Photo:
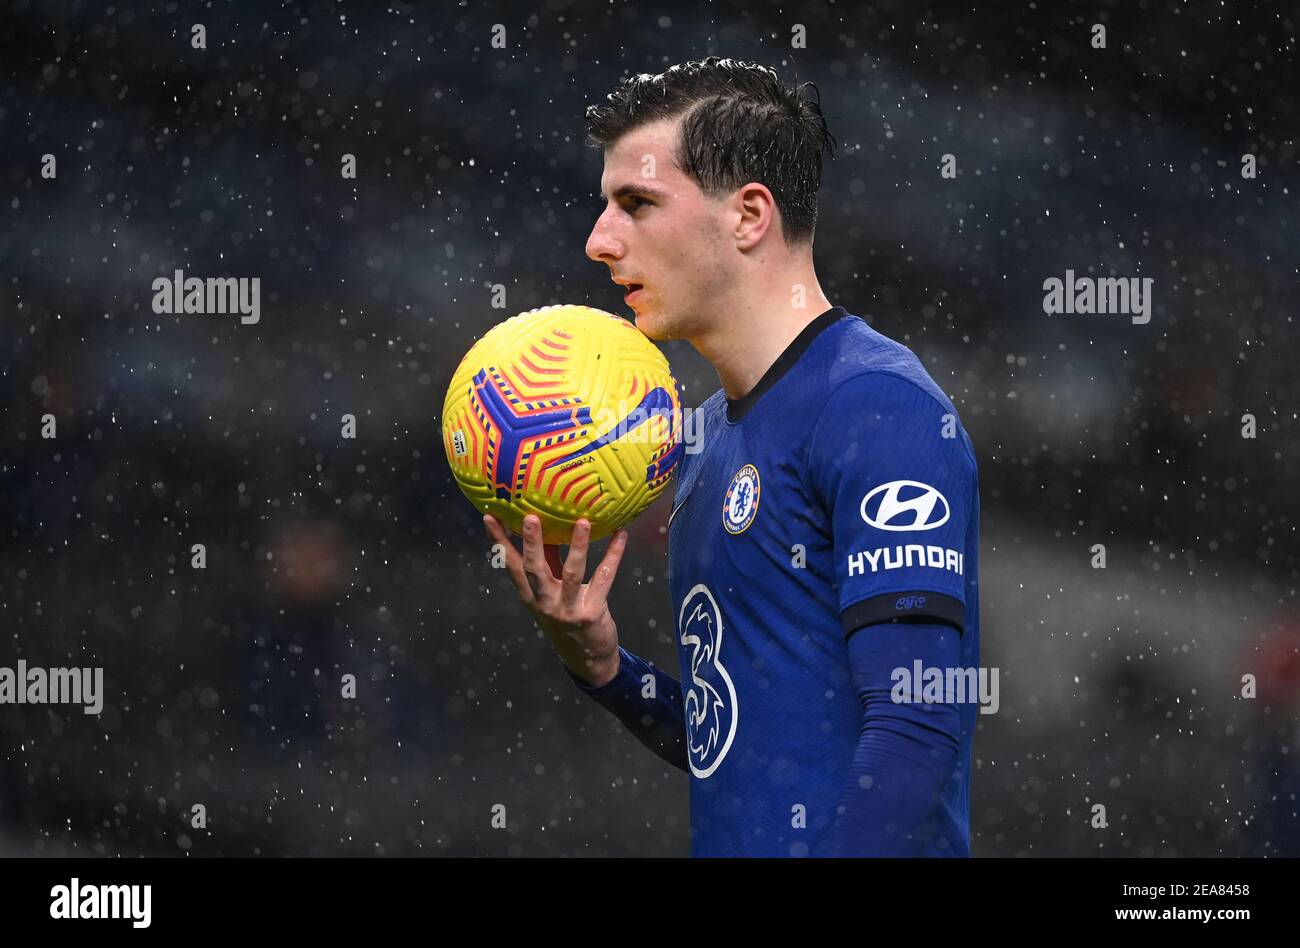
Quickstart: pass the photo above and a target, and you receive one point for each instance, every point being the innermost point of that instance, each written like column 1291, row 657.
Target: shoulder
column 858, row 360
column 876, row 395
column 866, row 375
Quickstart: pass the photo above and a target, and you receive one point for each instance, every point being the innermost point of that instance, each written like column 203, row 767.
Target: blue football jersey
column 842, row 491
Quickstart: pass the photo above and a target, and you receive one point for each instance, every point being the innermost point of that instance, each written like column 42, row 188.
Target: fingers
column 538, row 574
column 514, row 562
column 575, row 564
column 537, row 571
column 608, row 568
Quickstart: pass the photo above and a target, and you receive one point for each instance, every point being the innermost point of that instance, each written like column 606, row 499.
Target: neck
column 755, row 325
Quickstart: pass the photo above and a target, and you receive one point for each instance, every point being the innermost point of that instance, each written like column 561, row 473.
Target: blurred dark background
column 329, row 556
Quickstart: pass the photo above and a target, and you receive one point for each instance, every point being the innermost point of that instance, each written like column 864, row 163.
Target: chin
column 652, row 326
column 649, row 328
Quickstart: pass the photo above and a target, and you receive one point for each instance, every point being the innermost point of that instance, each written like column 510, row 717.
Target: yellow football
column 566, row 412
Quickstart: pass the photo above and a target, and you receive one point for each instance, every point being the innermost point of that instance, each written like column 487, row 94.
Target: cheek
column 699, row 255
column 686, row 255
column 692, row 248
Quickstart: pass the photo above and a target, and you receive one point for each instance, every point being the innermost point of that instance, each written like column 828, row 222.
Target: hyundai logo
column 905, row 505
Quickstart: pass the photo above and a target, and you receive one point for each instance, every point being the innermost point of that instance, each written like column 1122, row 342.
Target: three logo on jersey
column 709, row 696
column 712, row 710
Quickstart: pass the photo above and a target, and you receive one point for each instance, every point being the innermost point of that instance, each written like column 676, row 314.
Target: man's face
column 659, row 229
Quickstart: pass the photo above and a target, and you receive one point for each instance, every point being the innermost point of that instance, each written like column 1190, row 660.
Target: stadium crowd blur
column 328, row 556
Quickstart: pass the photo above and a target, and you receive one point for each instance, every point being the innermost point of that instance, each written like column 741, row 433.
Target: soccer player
column 823, row 544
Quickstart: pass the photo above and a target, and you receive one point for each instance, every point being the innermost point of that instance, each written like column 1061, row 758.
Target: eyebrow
column 637, row 190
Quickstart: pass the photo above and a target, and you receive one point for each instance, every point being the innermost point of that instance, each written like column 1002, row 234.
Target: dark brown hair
column 742, row 124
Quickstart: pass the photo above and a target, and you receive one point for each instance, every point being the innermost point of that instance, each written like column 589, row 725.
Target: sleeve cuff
column 915, row 606
column 626, row 670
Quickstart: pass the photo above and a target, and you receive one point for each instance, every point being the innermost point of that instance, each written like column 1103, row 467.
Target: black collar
column 738, row 408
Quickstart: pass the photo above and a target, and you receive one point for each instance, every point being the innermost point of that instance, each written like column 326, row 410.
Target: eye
column 637, row 202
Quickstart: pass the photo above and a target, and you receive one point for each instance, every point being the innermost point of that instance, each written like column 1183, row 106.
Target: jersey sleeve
column 906, row 752
column 893, row 470
column 658, row 722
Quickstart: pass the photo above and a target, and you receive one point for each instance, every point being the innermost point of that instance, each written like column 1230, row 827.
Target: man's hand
column 573, row 614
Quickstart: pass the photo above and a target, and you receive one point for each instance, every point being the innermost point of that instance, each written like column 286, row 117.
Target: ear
column 756, row 214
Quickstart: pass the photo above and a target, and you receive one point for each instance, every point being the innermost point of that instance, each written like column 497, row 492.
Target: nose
column 602, row 246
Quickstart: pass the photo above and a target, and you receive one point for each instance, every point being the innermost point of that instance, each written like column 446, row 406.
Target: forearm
column 906, row 751
column 648, row 702
column 891, row 803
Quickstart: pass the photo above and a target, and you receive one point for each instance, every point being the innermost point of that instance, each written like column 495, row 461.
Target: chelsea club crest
column 741, row 503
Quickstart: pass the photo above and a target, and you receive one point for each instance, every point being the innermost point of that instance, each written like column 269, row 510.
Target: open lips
column 631, row 288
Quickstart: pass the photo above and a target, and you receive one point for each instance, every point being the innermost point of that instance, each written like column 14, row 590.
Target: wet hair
column 742, row 124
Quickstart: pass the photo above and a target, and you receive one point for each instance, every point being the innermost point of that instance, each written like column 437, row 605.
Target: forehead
column 626, row 159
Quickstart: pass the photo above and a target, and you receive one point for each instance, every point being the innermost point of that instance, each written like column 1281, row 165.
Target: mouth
column 633, row 291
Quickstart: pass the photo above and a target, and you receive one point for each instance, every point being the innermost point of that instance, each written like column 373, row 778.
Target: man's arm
column 576, row 618
column 905, row 752
column 657, row 721
column 893, row 470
